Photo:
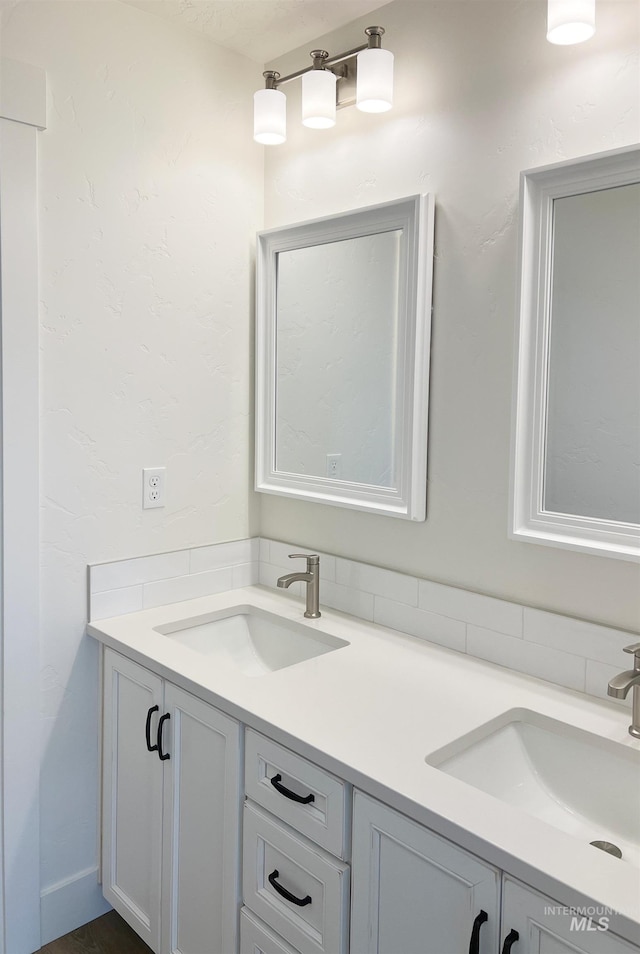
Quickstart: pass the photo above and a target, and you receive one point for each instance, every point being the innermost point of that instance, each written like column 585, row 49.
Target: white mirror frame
column 538, row 190
column 414, row 216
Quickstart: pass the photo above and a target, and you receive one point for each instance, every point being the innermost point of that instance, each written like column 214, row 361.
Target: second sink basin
column 253, row 642
column 586, row 786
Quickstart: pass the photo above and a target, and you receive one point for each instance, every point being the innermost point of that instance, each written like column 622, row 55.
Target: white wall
column 479, row 95
column 150, row 193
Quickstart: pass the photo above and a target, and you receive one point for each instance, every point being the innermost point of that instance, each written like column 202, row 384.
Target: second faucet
column 311, row 578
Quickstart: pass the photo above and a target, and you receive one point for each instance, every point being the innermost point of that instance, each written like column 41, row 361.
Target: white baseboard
column 68, row 904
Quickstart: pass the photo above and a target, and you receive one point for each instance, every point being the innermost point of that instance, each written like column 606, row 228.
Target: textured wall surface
column 257, row 28
column 150, row 193
column 479, row 96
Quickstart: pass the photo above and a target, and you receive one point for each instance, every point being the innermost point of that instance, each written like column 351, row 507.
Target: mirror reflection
column 337, row 359
column 592, row 454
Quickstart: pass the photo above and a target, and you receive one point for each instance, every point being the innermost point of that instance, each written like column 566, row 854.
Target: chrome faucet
column 311, row 578
column 619, row 687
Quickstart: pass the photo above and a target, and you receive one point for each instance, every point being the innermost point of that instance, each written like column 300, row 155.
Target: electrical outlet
column 334, row 466
column 153, row 487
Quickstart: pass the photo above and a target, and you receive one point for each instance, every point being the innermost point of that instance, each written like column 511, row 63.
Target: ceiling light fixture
column 369, row 65
column 570, row 21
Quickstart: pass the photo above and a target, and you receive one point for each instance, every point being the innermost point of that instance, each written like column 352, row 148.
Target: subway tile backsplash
column 434, row 627
column 569, row 652
column 127, row 573
column 531, row 658
column 473, row 608
column 378, row 581
column 125, row 586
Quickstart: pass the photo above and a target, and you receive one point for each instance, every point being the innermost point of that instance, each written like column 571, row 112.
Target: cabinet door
column 544, row 927
column 201, row 828
column 414, row 891
column 132, row 796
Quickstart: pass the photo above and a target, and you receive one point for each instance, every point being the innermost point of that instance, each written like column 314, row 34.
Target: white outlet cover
column 153, row 487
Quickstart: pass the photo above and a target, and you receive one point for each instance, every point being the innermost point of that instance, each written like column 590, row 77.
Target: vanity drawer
column 257, row 938
column 282, row 869
column 275, row 778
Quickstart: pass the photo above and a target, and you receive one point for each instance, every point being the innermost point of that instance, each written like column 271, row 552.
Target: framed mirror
column 576, row 434
column 343, row 321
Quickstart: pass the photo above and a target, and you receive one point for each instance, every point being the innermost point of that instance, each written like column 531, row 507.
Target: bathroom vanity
column 278, row 785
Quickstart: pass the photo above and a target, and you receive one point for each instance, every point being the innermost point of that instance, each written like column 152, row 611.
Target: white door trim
column 22, row 114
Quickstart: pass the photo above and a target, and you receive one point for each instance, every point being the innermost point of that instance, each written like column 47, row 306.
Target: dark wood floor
column 106, row 935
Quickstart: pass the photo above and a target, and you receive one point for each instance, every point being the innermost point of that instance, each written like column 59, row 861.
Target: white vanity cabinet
column 171, row 812
column 325, row 870
column 415, row 891
column 543, row 927
column 295, row 842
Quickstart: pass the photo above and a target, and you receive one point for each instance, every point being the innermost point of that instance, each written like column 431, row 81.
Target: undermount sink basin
column 254, row 642
column 584, row 785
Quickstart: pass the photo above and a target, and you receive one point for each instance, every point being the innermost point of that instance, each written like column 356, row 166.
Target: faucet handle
column 634, row 648
column 312, row 558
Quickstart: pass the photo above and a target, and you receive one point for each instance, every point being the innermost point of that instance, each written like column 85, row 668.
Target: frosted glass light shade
column 374, row 93
column 570, row 21
column 319, row 99
column 269, row 117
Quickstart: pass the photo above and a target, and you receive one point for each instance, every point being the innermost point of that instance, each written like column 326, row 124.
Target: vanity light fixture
column 374, row 92
column 570, row 21
column 269, row 112
column 369, row 64
column 319, row 93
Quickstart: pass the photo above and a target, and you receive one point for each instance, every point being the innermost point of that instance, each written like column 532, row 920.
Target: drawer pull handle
column 287, row 894
column 302, row 799
column 163, row 756
column 509, row 941
column 474, row 943
column 147, row 731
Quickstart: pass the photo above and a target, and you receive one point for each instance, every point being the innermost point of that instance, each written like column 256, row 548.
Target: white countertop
column 372, row 711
